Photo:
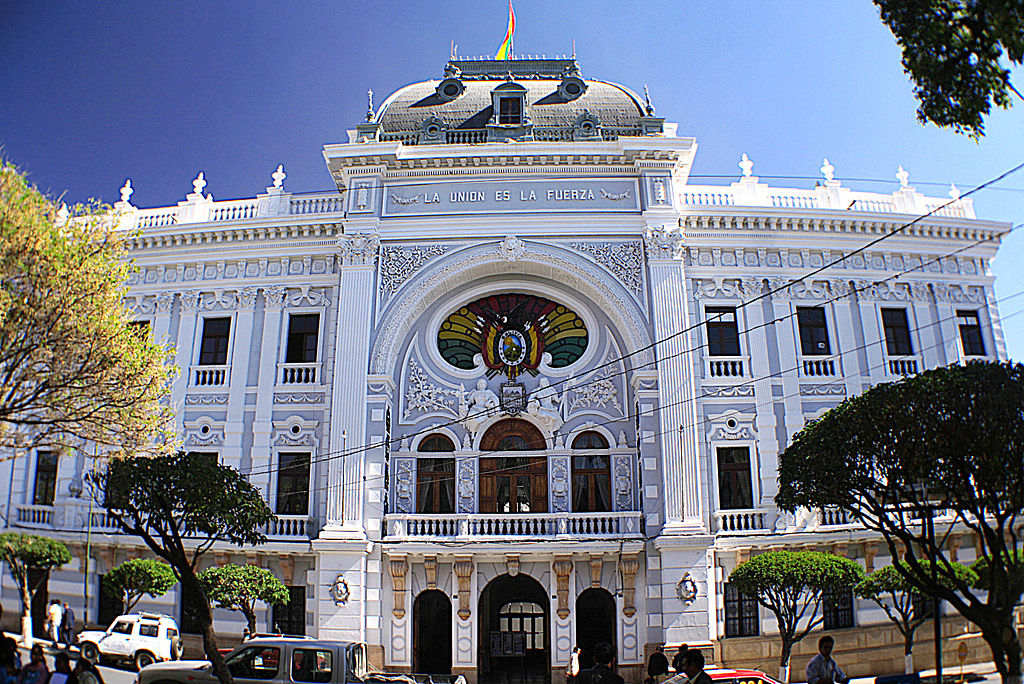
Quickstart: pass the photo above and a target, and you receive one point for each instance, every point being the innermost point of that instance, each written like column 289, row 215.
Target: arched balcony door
column 513, row 483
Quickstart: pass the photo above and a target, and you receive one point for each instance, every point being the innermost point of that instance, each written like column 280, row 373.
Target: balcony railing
column 904, row 366
column 210, row 376
column 743, row 520
column 298, row 373
column 726, row 366
column 30, row 515
column 486, row 525
column 289, row 527
column 820, row 366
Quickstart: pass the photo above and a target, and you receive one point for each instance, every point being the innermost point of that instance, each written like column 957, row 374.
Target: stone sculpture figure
column 545, row 406
column 477, row 406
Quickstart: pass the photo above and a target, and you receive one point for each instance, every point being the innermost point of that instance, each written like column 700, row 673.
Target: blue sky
column 95, row 92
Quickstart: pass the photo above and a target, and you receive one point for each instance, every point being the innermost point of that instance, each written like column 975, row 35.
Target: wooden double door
column 514, row 484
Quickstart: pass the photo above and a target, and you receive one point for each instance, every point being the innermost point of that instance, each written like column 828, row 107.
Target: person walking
column 693, row 667
column 822, row 669
column 679, row 658
column 601, row 673
column 67, row 626
column 54, row 615
column 572, row 669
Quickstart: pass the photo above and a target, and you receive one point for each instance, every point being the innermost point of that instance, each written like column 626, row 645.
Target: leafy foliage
column 25, row 552
column 888, row 588
column 74, row 368
column 987, row 575
column 791, row 585
column 239, row 587
column 137, row 577
column 954, row 51
column 181, row 505
column 960, row 429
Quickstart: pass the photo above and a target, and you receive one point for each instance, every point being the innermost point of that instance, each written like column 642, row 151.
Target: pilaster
column 262, row 427
column 669, row 294
column 190, row 302
column 357, row 255
column 234, row 427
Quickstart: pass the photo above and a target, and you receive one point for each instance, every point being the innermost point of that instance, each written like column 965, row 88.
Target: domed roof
column 550, row 100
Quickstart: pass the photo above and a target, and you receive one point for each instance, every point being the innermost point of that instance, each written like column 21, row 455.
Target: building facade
column 517, row 385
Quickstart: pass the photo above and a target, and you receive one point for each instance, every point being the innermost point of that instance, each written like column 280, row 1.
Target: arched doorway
column 432, row 634
column 595, row 622
column 514, row 632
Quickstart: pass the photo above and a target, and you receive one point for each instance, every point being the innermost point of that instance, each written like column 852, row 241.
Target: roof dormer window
column 510, row 111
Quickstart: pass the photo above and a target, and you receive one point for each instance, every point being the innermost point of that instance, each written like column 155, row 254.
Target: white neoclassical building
column 517, row 385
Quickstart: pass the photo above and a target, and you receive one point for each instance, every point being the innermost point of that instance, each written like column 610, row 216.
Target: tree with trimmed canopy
column 890, row 591
column 24, row 553
column 946, row 446
column 138, row 577
column 239, row 587
column 792, row 585
column 180, row 505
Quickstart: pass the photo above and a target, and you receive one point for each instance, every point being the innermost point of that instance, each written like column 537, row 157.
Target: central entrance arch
column 514, row 632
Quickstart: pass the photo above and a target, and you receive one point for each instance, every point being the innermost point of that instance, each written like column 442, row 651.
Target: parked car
column 727, row 675
column 274, row 659
column 138, row 638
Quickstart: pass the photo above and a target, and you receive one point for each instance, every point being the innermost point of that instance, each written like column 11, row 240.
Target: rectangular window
column 970, row 333
column 897, row 332
column 46, row 478
column 303, row 332
column 290, row 618
column 734, row 485
column 741, row 618
column 292, row 483
column 213, row 351
column 723, row 335
column 813, row 331
column 591, row 484
column 837, row 607
column 510, row 110
column 435, row 485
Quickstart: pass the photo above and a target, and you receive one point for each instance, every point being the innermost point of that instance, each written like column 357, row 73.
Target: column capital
column 357, row 249
column 664, row 243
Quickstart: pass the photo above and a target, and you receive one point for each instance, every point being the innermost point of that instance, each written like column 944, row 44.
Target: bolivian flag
column 505, row 51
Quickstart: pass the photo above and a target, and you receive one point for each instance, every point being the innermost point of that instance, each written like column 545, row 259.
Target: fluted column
column 357, row 255
column 234, row 428
column 191, row 300
column 684, row 509
column 262, row 427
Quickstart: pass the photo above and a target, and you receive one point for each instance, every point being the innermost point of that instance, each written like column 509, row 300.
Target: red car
column 727, row 675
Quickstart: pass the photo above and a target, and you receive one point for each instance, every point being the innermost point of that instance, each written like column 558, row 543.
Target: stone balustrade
column 503, row 526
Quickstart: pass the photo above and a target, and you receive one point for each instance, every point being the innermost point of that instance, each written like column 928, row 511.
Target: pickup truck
column 281, row 660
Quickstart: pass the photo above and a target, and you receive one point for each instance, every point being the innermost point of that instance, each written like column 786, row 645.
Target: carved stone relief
column 623, row 483
column 559, row 484
column 404, row 482
column 466, row 485
column 425, row 397
column 398, row 264
column 357, row 249
column 664, row 243
column 624, row 259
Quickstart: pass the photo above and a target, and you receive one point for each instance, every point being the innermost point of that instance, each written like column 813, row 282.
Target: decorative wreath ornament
column 340, row 591
column 687, row 589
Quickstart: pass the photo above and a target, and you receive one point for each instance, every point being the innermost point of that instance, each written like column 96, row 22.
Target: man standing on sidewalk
column 67, row 626
column 822, row 669
column 54, row 615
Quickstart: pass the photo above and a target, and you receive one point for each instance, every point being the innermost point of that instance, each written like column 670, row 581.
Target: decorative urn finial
column 279, row 176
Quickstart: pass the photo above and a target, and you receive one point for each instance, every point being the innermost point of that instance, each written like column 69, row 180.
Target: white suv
column 141, row 638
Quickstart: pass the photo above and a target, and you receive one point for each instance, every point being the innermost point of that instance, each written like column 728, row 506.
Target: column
column 357, row 255
column 241, row 357
column 761, row 371
column 190, row 303
column 162, row 317
column 683, row 503
column 262, row 427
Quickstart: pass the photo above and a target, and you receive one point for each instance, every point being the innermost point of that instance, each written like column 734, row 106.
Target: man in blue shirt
column 822, row 669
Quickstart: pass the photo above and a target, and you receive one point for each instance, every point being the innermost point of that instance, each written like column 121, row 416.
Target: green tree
column 960, row 429
column 890, row 590
column 791, row 584
column 955, row 52
column 75, row 370
column 239, row 587
column 180, row 505
column 135, row 578
column 24, row 553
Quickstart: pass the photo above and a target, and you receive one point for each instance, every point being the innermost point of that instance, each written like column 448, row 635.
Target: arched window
column 591, row 474
column 513, row 435
column 436, row 442
column 590, row 440
column 521, row 620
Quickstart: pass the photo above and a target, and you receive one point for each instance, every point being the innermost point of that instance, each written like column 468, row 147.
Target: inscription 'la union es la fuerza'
column 506, row 196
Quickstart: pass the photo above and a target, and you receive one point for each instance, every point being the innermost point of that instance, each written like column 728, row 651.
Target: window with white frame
column 723, row 332
column 735, row 488
column 292, row 483
column 45, row 486
column 303, row 338
column 970, row 333
column 897, row 332
column 213, row 347
column 813, row 331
